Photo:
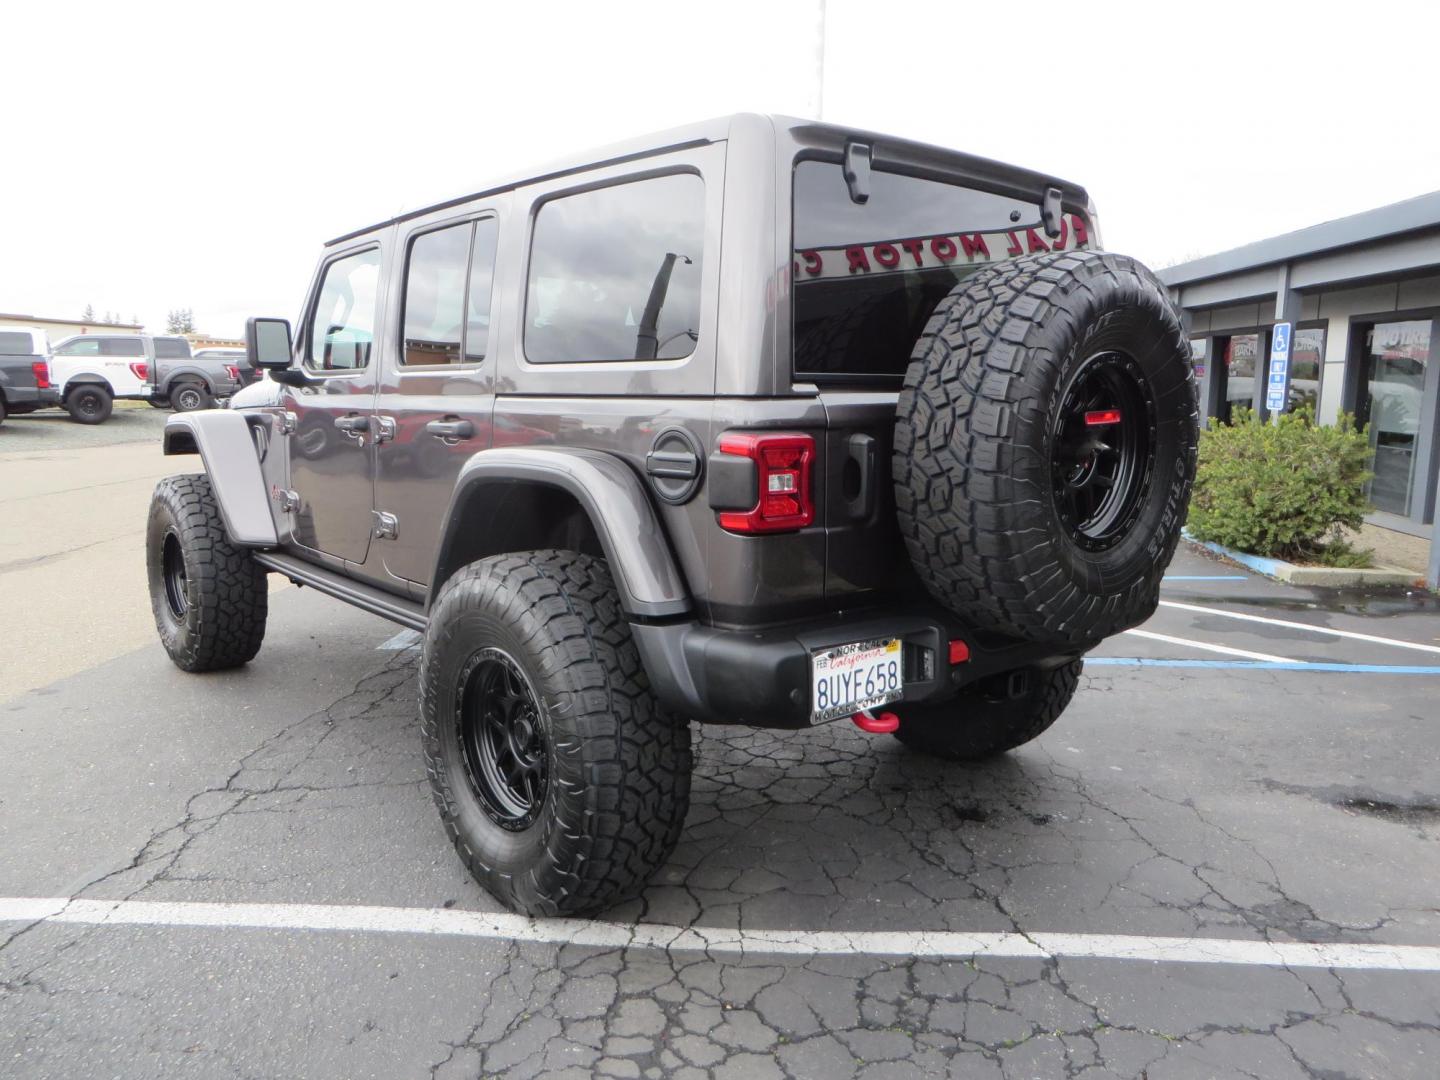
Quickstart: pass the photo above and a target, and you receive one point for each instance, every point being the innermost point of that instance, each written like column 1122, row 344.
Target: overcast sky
column 162, row 156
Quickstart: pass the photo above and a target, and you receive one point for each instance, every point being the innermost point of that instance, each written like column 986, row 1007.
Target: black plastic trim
column 397, row 609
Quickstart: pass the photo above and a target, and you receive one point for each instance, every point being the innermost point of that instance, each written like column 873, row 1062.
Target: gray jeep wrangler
column 760, row 422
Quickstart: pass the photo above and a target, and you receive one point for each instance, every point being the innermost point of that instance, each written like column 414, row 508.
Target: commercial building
column 63, row 328
column 1362, row 297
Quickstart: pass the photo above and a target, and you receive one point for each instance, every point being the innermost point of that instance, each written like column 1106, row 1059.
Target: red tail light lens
column 42, row 373
column 784, row 501
column 1102, row 417
column 233, row 372
column 141, row 370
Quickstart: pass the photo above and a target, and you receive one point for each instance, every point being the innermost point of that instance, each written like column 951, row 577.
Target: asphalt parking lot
column 1221, row 862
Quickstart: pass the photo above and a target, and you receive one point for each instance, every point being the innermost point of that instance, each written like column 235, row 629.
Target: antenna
column 820, row 65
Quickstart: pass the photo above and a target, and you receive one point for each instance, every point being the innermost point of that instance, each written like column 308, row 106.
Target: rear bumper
column 31, row 396
column 761, row 678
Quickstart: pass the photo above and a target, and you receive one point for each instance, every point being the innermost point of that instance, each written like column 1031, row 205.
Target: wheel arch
column 223, row 441
column 86, row 378
column 532, row 498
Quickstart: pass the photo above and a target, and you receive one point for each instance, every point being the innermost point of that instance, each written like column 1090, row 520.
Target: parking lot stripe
column 1205, row 577
column 401, row 641
column 1261, row 665
column 1225, row 649
column 1353, row 635
column 720, row 941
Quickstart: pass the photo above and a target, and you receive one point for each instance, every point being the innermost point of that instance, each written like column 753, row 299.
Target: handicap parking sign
column 1276, row 389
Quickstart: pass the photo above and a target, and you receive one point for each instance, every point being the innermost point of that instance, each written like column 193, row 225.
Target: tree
column 180, row 321
column 89, row 313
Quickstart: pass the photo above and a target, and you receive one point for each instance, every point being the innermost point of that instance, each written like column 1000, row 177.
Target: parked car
column 186, row 381
column 235, row 363
column 92, row 370
column 802, row 424
column 24, row 371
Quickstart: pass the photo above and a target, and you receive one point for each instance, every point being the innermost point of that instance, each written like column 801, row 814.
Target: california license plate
column 861, row 675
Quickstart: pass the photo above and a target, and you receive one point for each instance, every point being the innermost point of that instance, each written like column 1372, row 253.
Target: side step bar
column 397, row 609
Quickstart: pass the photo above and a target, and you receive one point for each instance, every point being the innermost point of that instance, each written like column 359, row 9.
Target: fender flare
column 184, row 374
column 85, row 378
column 223, row 441
column 646, row 576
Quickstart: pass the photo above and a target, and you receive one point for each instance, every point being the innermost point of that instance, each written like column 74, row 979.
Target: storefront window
column 1240, row 353
column 1394, row 379
column 1307, row 357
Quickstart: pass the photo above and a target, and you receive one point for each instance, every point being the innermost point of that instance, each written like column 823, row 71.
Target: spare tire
column 1045, row 446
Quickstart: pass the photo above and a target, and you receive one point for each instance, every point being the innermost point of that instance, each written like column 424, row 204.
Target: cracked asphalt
column 1196, row 802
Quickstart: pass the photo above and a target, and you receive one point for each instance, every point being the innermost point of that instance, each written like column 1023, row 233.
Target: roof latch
column 857, row 171
column 1050, row 212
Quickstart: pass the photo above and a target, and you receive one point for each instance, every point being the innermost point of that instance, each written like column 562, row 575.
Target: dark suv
column 759, row 422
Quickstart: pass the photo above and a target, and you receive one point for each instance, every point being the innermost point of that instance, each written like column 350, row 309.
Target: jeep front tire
column 208, row 595
column 560, row 780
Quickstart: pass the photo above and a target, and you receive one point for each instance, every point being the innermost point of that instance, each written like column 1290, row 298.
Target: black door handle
column 353, row 423
column 450, row 429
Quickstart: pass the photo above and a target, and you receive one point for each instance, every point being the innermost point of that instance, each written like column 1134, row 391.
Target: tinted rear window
column 172, row 348
column 17, row 344
column 868, row 275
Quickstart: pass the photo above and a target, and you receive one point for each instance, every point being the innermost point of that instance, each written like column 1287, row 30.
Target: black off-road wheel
column 560, row 780
column 1045, row 446
column 208, row 595
column 90, row 403
column 190, row 396
column 993, row 716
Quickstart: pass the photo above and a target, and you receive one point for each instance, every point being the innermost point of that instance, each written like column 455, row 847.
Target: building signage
column 937, row 252
column 1277, row 383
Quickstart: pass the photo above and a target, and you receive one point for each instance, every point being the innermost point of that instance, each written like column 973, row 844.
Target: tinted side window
column 342, row 328
column 172, row 348
column 615, row 273
column 435, row 296
column 122, row 346
column 80, row 347
column 16, row 344
column 482, row 277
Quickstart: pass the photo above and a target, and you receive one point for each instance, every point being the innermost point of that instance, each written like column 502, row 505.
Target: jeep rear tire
column 90, row 403
column 559, row 778
column 208, row 595
column 993, row 716
column 1045, row 446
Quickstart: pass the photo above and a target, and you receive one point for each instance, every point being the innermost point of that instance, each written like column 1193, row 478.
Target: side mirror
column 267, row 343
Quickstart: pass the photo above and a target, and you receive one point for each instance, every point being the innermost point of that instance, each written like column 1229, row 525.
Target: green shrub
column 1283, row 490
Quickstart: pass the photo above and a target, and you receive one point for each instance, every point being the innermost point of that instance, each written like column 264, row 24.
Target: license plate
column 861, row 675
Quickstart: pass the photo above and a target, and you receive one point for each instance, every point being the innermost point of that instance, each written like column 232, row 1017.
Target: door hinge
column 289, row 500
column 384, row 428
column 385, row 526
column 288, row 423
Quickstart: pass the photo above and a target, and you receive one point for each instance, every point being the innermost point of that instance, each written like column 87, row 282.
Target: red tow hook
column 883, row 724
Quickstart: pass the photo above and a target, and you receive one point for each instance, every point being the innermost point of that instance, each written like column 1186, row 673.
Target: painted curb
column 1323, row 576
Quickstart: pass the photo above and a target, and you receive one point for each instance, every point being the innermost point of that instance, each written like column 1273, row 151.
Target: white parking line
column 720, row 942
column 1301, row 626
column 1210, row 648
column 405, row 639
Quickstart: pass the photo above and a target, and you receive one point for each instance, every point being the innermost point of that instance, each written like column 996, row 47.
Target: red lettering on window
column 974, row 244
column 1014, row 248
column 887, row 256
column 914, row 247
column 813, row 264
column 858, row 259
column 1082, row 234
column 943, row 248
column 1033, row 241
column 1058, row 244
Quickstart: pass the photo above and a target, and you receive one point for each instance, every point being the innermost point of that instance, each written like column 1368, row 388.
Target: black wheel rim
column 89, row 404
column 1103, row 450
column 503, row 741
column 172, row 564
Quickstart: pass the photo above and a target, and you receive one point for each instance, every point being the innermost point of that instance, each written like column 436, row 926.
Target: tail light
column 233, row 372
column 784, row 500
column 42, row 374
column 140, row 369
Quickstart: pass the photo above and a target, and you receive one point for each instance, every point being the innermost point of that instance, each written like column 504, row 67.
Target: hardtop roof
column 714, row 130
